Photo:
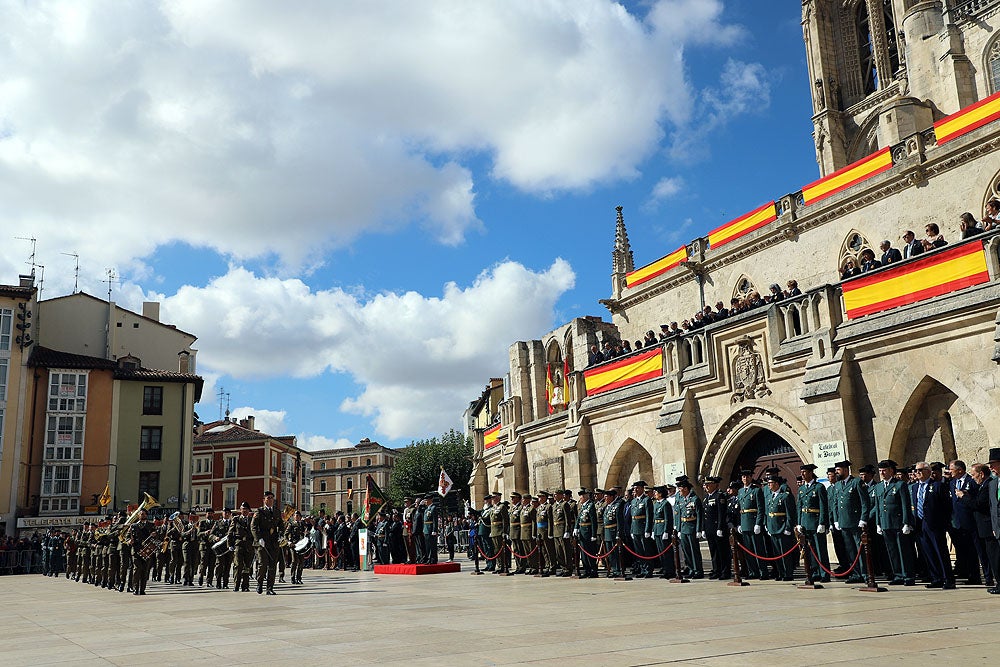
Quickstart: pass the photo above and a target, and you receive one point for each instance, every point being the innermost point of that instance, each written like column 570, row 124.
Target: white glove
column 907, row 529
column 798, row 529
column 261, row 541
column 576, row 532
column 821, row 529
column 647, row 535
column 565, row 536
column 739, row 529
column 862, row 524
column 700, row 535
column 878, row 529
column 836, row 525
column 756, row 530
column 787, row 532
column 593, row 539
column 718, row 533
column 435, row 535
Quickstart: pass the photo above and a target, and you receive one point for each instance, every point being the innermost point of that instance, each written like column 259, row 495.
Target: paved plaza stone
column 458, row 619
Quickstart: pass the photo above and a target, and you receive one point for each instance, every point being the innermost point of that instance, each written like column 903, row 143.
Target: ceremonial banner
column 927, row 276
column 743, row 225
column 968, row 119
column 630, row 370
column 658, row 267
column 850, row 175
column 375, row 500
column 444, row 483
column 105, row 497
column 491, row 438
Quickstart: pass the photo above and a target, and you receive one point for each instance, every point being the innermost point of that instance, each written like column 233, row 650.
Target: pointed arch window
column 875, row 53
column 744, row 288
column 850, row 251
column 993, row 65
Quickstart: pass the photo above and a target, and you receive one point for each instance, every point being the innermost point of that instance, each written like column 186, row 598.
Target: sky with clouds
column 358, row 206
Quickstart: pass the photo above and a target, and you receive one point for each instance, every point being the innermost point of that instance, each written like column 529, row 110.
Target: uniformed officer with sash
column 751, row 525
column 515, row 533
column 612, row 515
column 689, row 517
column 850, row 511
column 585, row 533
column 813, row 520
column 716, row 529
column 663, row 523
column 547, row 549
column 779, row 524
column 893, row 516
column 499, row 532
column 483, row 538
column 529, row 565
column 641, row 528
column 559, row 530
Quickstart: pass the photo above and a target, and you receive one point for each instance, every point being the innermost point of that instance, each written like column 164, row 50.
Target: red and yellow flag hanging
column 926, row 277
column 657, row 268
column 622, row 373
column 491, row 438
column 548, row 388
column 968, row 119
column 850, row 175
column 743, row 225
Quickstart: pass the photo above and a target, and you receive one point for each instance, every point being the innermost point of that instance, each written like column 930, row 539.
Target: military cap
column 746, row 473
column 713, row 479
column 994, row 454
column 227, row 509
column 684, row 483
column 887, row 463
column 612, row 491
column 209, row 510
column 496, row 494
column 682, row 478
column 543, row 493
column 599, row 491
column 735, row 485
column 867, row 468
column 773, row 478
column 937, row 465
column 773, row 470
column 616, row 488
column 526, row 497
column 583, row 492
column 843, row 464
column 639, row 483
column 662, row 489
column 432, row 494
column 245, row 505
column 798, row 478
column 515, row 494
column 831, row 469
column 671, row 486
column 410, row 498
column 808, row 466
column 269, row 493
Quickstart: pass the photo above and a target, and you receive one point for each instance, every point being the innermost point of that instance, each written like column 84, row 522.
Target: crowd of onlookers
column 912, row 246
column 17, row 555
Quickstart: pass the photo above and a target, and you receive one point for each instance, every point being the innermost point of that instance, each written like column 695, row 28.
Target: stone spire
column 621, row 257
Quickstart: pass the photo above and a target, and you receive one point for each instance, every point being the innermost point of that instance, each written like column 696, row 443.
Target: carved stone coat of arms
column 748, row 373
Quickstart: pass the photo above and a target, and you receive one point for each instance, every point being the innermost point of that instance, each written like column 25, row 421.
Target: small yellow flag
column 106, row 496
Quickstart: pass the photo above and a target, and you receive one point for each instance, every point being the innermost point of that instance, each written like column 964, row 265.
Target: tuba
column 287, row 513
column 147, row 502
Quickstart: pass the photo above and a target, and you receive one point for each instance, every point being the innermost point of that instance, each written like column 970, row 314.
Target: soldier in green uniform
column 641, row 528
column 546, row 547
column 223, row 561
column 751, row 525
column 483, row 537
column 689, row 517
column 266, row 527
column 84, row 546
column 612, row 525
column 716, row 528
column 515, row 533
column 138, row 532
column 206, row 557
column 559, row 531
column 585, row 532
column 528, row 565
column 663, row 523
column 813, row 519
column 241, row 541
column 189, row 546
column 780, row 521
column 850, row 509
column 431, row 527
column 892, row 514
column 837, row 535
column 295, row 531
column 175, row 537
column 163, row 555
column 499, row 531
column 125, row 564
column 408, row 509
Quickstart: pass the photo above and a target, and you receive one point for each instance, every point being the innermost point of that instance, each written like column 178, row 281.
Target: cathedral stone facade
column 899, row 363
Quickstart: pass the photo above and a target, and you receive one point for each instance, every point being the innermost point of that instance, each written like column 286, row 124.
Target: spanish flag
column 850, row 175
column 548, row 388
column 629, row 370
column 491, row 438
column 743, row 225
column 657, row 268
column 928, row 276
column 968, row 119
column 105, row 498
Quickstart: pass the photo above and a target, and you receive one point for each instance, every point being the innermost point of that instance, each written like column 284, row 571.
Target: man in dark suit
column 889, row 254
column 932, row 510
column 993, row 490
column 962, row 530
column 977, row 499
column 912, row 247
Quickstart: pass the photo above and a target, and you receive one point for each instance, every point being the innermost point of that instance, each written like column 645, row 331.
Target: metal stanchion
column 734, row 544
column 475, row 554
column 576, row 559
column 621, row 565
column 675, row 541
column 870, row 585
column 804, row 552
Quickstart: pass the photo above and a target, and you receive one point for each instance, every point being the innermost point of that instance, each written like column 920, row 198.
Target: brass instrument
column 147, row 502
column 175, row 518
column 149, row 547
column 287, row 513
column 282, row 542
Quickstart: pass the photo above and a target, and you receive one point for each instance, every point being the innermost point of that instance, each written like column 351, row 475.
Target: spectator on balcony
column 968, row 225
column 934, row 237
column 608, row 351
column 774, row 293
column 851, row 269
column 912, row 247
column 991, row 218
column 665, row 331
column 890, row 255
column 708, row 315
column 721, row 312
column 686, row 326
column 626, row 347
column 637, row 345
column 753, row 300
column 595, row 357
column 868, row 261
column 793, row 288
column 736, row 306
column 650, row 338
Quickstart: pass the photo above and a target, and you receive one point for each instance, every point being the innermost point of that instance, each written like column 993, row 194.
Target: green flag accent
column 375, row 500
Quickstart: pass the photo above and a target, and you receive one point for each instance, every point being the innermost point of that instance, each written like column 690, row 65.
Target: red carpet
column 402, row 568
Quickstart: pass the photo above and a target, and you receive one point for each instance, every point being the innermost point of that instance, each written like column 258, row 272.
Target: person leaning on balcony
column 650, row 338
column 934, row 237
column 991, row 218
column 868, row 261
column 793, row 289
column 968, row 225
column 911, row 246
column 851, row 269
column 595, row 357
column 890, row 255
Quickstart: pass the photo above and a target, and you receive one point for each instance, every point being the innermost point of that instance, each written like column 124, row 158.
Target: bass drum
column 302, row 545
column 221, row 547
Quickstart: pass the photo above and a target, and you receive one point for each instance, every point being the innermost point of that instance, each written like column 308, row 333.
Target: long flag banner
column 928, row 276
column 743, row 225
column 630, row 370
column 657, row 268
column 375, row 500
column 850, row 175
column 491, row 438
column 968, row 119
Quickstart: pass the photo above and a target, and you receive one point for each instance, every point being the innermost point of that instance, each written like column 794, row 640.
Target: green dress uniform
column 839, row 539
column 585, row 532
column 241, row 541
column 206, row 557
column 190, row 544
column 814, row 518
column 499, row 531
column 689, row 517
column 663, row 523
column 295, row 531
column 529, row 565
column 851, row 506
column 125, row 565
column 223, row 562
column 138, row 533
column 641, row 530
column 515, row 538
column 559, row 531
column 484, row 539
column 266, row 526
column 612, row 526
column 892, row 513
column 176, row 546
column 430, row 534
column 83, row 555
column 751, row 529
column 547, row 549
column 780, row 524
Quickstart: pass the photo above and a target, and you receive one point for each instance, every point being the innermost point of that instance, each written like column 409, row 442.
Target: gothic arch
column 744, row 286
column 727, row 443
column 865, row 141
column 991, row 64
column 630, row 458
column 854, row 244
column 993, row 188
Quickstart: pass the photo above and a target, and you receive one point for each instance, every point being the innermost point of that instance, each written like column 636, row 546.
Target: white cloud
column 271, row 422
column 419, row 358
column 665, row 188
column 261, row 128
column 314, row 443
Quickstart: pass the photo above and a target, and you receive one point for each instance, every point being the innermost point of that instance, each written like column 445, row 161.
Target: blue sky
column 358, row 206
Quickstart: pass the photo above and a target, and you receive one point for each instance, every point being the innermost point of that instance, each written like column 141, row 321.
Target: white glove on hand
column 756, row 530
column 700, row 535
column 862, row 524
column 836, row 525
column 878, row 529
column 565, row 536
column 593, row 539
column 261, row 541
column 787, row 532
column 435, row 535
column 907, row 529
column 739, row 529
column 647, row 536
column 576, row 532
column 798, row 529
column 821, row 529
column 718, row 533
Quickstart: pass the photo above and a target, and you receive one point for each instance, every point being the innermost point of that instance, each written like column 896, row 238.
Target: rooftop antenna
column 41, row 278
column 223, row 402
column 76, row 273
column 111, row 277
column 31, row 260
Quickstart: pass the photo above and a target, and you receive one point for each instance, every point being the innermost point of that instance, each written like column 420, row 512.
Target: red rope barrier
column 647, row 557
column 494, row 557
column 794, row 547
column 834, row 574
column 600, row 552
column 530, row 554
